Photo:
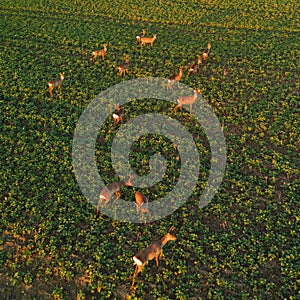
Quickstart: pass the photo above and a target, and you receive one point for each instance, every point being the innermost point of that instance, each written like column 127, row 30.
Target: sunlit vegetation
column 244, row 244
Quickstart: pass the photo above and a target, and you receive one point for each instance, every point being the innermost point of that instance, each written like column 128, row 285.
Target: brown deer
column 139, row 36
column 155, row 250
column 141, row 202
column 56, row 83
column 194, row 67
column 187, row 100
column 123, row 69
column 110, row 189
column 99, row 53
column 206, row 52
column 174, row 78
column 145, row 40
column 118, row 115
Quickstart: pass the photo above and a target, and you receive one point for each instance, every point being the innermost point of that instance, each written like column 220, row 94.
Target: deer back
column 155, row 249
column 115, row 186
column 145, row 40
column 188, row 99
column 148, row 253
column 57, row 82
column 125, row 64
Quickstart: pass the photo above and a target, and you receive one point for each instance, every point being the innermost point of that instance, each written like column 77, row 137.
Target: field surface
column 244, row 244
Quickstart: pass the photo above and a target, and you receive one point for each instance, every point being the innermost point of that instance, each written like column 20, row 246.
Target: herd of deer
column 123, row 69
column 155, row 250
column 141, row 201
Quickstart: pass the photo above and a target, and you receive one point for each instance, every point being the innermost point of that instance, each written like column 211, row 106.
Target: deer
column 141, row 202
column 206, row 51
column 187, row 100
column 110, row 189
column 123, row 69
column 99, row 53
column 194, row 67
column 150, row 41
column 139, row 36
column 175, row 77
column 155, row 250
column 118, row 115
column 56, row 83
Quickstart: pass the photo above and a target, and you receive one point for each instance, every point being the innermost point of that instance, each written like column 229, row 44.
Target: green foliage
column 244, row 244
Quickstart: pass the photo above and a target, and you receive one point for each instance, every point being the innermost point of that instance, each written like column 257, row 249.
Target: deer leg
column 118, row 194
column 101, row 199
column 106, row 202
column 133, row 279
column 160, row 255
column 97, row 207
column 136, row 271
column 137, row 206
column 156, row 259
column 143, row 217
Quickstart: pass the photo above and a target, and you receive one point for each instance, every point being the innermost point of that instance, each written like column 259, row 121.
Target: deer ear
column 171, row 229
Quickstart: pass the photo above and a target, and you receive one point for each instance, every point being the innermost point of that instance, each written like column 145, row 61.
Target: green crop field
column 244, row 244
